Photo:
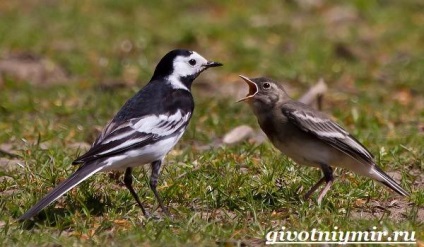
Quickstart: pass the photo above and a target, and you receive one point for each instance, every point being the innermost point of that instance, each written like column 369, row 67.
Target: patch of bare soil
column 397, row 208
column 32, row 68
column 9, row 164
column 9, row 158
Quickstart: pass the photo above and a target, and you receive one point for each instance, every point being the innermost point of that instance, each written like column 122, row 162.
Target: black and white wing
column 318, row 124
column 121, row 136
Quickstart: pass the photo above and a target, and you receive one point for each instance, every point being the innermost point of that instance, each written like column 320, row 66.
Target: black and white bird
column 309, row 137
column 144, row 130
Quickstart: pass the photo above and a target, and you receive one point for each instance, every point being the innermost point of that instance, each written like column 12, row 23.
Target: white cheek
column 181, row 69
column 184, row 69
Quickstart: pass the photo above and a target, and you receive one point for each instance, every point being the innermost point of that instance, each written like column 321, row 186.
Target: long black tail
column 80, row 175
column 389, row 182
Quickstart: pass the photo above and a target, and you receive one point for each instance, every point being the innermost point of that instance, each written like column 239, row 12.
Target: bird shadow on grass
column 93, row 205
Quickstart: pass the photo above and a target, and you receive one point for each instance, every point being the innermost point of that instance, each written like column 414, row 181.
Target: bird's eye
column 192, row 62
column 267, row 85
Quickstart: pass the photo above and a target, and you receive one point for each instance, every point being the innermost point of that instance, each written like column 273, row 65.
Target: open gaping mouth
column 253, row 88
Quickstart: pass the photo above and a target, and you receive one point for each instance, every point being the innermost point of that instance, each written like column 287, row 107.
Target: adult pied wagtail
column 309, row 137
column 144, row 130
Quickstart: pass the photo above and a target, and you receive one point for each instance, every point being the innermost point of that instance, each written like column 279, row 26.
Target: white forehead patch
column 183, row 68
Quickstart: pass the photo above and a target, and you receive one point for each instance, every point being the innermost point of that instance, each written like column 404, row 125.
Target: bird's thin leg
column 128, row 179
column 154, row 182
column 329, row 178
column 314, row 188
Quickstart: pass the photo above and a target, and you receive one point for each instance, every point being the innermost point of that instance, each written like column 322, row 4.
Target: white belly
column 144, row 155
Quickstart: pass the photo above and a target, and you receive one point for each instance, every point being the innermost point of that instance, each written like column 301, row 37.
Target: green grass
column 372, row 60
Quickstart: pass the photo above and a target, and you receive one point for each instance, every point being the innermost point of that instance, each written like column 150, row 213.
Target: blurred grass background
column 67, row 66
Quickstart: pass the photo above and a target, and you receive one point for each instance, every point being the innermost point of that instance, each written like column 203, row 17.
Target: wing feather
column 318, row 124
column 119, row 137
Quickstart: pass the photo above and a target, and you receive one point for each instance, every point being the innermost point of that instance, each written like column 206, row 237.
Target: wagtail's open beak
column 253, row 88
column 211, row 64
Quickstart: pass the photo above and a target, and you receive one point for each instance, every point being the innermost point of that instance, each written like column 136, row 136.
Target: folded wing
column 119, row 137
column 325, row 129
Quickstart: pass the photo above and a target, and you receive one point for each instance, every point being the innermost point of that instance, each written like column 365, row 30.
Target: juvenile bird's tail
column 383, row 178
column 80, row 175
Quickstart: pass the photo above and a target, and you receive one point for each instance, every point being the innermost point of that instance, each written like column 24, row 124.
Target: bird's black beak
column 253, row 88
column 211, row 64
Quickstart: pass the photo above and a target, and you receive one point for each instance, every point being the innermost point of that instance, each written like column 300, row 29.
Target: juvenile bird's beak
column 211, row 64
column 253, row 88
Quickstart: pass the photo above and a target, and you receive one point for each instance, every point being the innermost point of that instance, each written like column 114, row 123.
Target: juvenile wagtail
column 309, row 137
column 144, row 130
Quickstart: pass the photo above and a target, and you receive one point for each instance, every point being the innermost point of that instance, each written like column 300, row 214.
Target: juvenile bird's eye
column 267, row 85
column 192, row 62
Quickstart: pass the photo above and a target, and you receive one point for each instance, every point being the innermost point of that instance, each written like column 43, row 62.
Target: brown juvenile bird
column 309, row 137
